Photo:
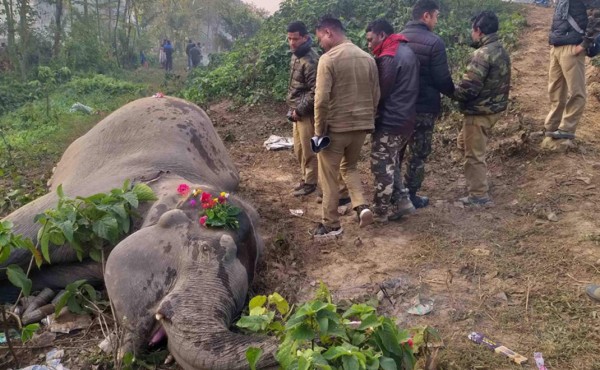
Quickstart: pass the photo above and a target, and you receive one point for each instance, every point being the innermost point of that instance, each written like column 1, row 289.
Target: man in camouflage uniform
column 301, row 99
column 482, row 94
column 434, row 79
column 398, row 69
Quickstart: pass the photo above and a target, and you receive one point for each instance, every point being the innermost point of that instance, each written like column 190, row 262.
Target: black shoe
column 344, row 201
column 560, row 134
column 323, row 231
column 305, row 190
column 418, row 201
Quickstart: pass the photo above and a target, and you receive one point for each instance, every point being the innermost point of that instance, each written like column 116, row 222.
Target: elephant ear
column 250, row 243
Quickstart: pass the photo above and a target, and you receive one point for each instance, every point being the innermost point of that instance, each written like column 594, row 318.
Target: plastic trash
column 421, row 307
column 78, row 107
column 275, row 142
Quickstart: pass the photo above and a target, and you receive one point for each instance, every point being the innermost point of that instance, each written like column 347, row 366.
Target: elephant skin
column 171, row 273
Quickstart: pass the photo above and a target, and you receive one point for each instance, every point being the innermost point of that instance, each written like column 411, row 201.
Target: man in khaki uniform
column 571, row 33
column 301, row 99
column 346, row 100
column 483, row 94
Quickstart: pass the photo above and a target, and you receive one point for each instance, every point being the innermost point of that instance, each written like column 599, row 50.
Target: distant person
column 398, row 68
column 162, row 57
column 571, row 33
column 482, row 94
column 435, row 79
column 143, row 60
column 189, row 47
column 300, row 101
column 346, row 99
column 169, row 55
column 195, row 55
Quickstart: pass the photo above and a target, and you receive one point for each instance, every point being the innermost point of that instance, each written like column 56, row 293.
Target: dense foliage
column 257, row 68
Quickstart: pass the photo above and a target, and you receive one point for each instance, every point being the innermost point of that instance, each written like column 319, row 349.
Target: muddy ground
column 507, row 271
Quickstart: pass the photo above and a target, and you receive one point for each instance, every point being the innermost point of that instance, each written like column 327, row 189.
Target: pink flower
column 206, row 197
column 193, row 202
column 203, row 220
column 222, row 199
column 183, row 189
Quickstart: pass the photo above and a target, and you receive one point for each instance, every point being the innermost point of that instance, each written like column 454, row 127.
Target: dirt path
column 506, row 271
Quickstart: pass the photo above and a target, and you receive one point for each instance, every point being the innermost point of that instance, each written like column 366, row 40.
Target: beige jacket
column 347, row 91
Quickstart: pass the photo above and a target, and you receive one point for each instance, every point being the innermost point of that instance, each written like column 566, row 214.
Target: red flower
column 203, row 220
column 206, row 197
column 222, row 199
column 183, row 189
column 410, row 342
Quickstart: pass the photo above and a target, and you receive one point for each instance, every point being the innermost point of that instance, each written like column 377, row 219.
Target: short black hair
column 330, row 22
column 486, row 21
column 424, row 6
column 380, row 25
column 297, row 26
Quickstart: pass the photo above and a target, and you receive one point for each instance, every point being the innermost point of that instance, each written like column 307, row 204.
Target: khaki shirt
column 347, row 91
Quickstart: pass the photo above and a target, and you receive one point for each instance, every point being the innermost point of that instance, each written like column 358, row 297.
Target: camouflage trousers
column 419, row 149
column 385, row 162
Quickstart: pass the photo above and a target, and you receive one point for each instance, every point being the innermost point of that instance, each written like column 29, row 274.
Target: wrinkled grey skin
column 196, row 279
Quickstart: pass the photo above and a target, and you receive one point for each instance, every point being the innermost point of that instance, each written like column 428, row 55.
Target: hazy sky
column 270, row 5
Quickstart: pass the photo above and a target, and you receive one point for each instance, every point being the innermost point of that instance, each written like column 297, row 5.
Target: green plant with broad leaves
column 28, row 331
column 86, row 224
column 89, row 224
column 318, row 336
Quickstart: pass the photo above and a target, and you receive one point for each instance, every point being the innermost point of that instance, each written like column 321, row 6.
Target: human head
column 377, row 31
column 426, row 11
column 484, row 23
column 330, row 32
column 297, row 35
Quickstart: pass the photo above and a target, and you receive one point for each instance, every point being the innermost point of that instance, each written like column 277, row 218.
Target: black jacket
column 562, row 33
column 399, row 84
column 434, row 74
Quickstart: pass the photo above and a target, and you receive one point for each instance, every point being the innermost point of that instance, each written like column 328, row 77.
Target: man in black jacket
column 571, row 33
column 398, row 69
column 435, row 79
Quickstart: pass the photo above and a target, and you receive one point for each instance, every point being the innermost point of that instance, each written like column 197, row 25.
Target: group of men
column 393, row 95
column 194, row 54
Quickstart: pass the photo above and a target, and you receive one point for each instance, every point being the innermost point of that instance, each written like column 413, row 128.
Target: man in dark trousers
column 398, row 69
column 435, row 79
column 189, row 47
column 168, row 48
column 196, row 56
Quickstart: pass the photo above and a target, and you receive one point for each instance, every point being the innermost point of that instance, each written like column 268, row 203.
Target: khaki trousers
column 340, row 157
column 304, row 129
column 473, row 139
column 566, row 88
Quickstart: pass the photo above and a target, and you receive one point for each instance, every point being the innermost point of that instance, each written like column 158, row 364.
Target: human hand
column 578, row 50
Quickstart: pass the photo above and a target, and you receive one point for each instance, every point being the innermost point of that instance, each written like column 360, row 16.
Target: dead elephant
column 193, row 280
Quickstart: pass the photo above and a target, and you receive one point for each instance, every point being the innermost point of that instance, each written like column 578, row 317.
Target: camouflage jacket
column 303, row 76
column 484, row 87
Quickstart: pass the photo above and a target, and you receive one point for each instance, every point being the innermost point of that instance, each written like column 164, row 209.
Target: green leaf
column 131, row 198
column 4, row 253
column 257, row 301
column 126, row 185
column 387, row 363
column 302, row 332
column 28, row 331
column 107, row 228
column 128, row 359
column 62, row 301
column 96, row 254
column 91, row 292
column 56, row 237
column 253, row 356
column 60, row 192
column 350, row 363
column 67, row 230
column 74, row 306
column 256, row 323
column 144, row 193
column 18, row 278
column 282, row 305
column 370, row 321
column 45, row 244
